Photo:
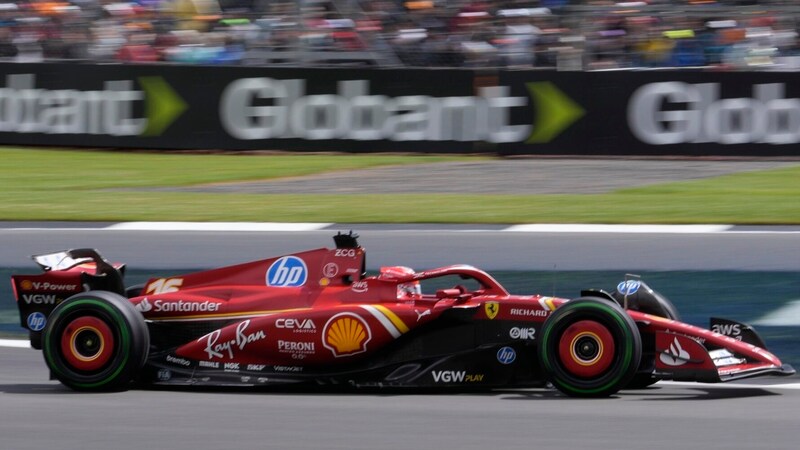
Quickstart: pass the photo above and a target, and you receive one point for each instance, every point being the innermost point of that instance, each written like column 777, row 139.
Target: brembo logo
column 24, row 108
column 266, row 108
column 697, row 115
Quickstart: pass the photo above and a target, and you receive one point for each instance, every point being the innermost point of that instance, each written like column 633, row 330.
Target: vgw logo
column 288, row 271
column 24, row 108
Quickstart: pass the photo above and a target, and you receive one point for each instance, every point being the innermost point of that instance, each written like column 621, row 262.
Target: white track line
column 792, row 386
column 521, row 228
column 787, row 315
column 216, row 226
column 14, row 343
column 601, row 228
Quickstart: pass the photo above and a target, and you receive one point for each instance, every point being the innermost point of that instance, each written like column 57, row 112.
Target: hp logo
column 629, row 287
column 506, row 355
column 37, row 321
column 289, row 271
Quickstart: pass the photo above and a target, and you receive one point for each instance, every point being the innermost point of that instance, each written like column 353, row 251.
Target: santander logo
column 675, row 355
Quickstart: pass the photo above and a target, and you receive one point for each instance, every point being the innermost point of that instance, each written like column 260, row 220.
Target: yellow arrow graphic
column 163, row 105
column 555, row 112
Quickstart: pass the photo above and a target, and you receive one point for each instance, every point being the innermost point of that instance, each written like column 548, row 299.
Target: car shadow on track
column 28, row 388
column 654, row 393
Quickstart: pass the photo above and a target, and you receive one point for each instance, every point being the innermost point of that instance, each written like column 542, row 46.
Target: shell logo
column 26, row 285
column 346, row 334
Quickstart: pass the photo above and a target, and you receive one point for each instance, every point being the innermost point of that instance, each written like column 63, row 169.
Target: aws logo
column 24, row 108
column 554, row 112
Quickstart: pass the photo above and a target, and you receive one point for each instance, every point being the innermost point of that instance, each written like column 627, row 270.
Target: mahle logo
column 24, row 108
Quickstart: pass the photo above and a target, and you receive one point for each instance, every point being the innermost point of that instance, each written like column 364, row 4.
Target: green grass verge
column 40, row 184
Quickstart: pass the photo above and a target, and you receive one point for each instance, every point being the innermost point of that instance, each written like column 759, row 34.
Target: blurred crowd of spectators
column 563, row 34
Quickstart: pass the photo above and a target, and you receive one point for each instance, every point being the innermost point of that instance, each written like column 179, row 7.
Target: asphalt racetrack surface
column 38, row 414
column 425, row 247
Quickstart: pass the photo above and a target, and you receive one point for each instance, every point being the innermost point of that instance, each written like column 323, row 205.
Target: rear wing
column 64, row 274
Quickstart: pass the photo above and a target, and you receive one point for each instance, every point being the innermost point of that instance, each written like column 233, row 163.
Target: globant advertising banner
column 658, row 113
column 428, row 111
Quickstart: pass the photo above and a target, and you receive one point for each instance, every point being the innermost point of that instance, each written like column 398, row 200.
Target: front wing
column 685, row 352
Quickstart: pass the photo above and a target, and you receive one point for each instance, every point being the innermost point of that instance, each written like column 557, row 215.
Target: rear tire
column 36, row 339
column 95, row 341
column 589, row 347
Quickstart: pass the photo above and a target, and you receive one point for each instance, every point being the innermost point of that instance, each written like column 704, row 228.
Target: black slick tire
column 589, row 347
column 95, row 341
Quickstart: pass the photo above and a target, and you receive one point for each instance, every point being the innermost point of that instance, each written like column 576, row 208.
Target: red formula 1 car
column 315, row 317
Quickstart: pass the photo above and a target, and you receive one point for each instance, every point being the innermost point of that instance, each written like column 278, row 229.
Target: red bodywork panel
column 317, row 308
column 682, row 351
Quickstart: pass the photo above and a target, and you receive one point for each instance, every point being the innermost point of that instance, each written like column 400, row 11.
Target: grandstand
column 545, row 34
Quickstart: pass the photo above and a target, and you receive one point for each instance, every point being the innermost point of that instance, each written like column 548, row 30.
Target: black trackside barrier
column 657, row 113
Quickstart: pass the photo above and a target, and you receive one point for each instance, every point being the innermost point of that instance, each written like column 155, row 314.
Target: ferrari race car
column 316, row 318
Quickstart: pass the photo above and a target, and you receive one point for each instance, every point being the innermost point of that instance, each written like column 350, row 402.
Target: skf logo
column 491, row 309
column 346, row 334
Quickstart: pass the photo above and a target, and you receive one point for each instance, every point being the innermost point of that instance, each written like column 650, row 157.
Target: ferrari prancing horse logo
column 491, row 309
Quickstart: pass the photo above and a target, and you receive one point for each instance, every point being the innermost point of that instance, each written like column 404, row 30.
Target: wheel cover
column 586, row 349
column 87, row 343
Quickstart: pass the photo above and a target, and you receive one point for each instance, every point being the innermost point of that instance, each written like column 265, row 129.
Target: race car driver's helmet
column 404, row 290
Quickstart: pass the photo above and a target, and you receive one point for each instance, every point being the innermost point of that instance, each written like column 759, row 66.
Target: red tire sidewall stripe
column 87, row 363
column 586, row 368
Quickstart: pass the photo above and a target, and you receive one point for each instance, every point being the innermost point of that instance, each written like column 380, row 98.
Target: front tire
column 589, row 347
column 95, row 341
